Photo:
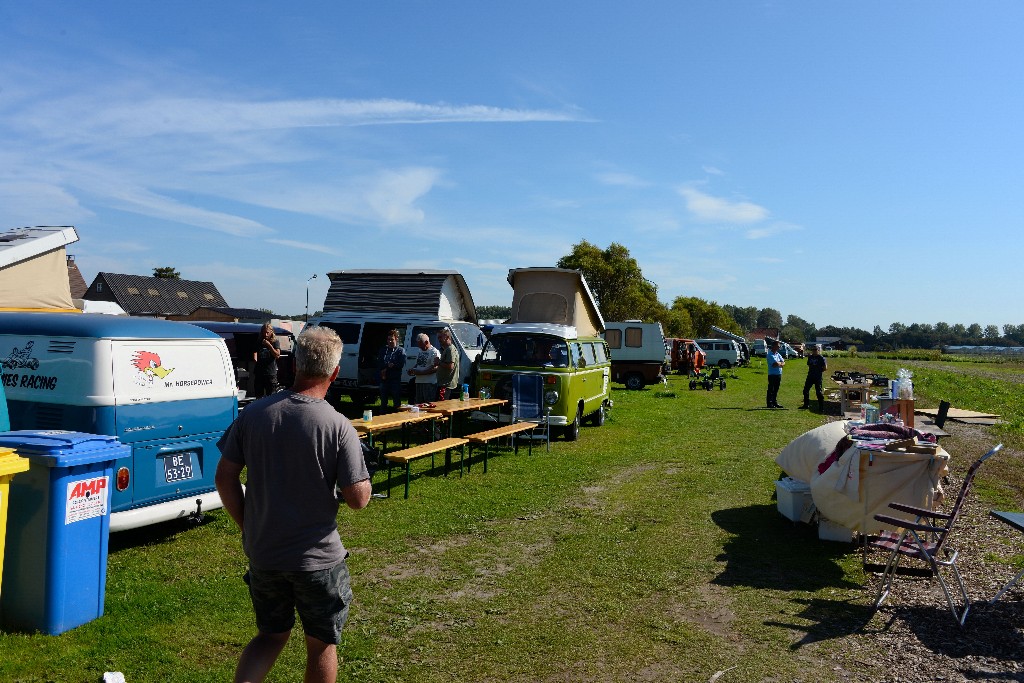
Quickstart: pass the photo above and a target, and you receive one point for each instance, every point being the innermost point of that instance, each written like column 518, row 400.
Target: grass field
column 648, row 550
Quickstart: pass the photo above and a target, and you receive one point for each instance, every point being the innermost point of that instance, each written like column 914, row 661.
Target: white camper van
column 362, row 306
column 725, row 353
column 640, row 355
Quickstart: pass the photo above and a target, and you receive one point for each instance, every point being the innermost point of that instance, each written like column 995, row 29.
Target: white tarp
column 863, row 482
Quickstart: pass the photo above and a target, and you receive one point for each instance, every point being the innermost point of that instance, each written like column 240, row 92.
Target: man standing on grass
column 300, row 455
column 816, row 366
column 775, row 363
column 425, row 370
column 448, row 369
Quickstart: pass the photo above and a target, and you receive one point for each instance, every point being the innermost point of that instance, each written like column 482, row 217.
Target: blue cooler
column 58, row 524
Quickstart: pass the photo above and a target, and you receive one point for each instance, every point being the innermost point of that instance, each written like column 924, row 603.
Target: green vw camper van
column 555, row 332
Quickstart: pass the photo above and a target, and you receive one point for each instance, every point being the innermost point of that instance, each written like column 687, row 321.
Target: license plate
column 178, row 467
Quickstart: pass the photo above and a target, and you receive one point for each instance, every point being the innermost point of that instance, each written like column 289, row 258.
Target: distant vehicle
column 725, row 353
column 685, row 356
column 639, row 352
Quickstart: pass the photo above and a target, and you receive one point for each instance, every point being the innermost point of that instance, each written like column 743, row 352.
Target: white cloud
column 705, row 207
column 776, row 228
column 308, row 246
column 619, row 179
column 712, row 170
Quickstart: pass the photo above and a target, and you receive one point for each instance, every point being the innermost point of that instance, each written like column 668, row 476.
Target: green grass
column 650, row 549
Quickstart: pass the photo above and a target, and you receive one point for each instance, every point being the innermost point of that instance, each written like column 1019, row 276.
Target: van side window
column 429, row 331
column 614, row 338
column 349, row 332
column 602, row 352
column 634, row 337
column 576, row 354
column 588, row 354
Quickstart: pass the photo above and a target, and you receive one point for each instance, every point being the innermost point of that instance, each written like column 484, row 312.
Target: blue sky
column 850, row 163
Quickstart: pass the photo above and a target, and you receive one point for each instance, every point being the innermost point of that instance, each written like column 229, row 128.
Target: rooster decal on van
column 150, row 367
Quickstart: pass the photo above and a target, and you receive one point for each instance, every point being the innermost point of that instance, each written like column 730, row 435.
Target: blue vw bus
column 167, row 389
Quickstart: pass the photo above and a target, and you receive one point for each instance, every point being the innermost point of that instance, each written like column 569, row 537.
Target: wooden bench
column 407, row 455
column 505, row 430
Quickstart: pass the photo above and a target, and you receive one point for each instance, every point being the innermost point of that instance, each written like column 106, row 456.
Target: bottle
column 465, row 392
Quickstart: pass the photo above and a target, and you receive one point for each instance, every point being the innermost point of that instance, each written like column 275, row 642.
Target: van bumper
column 164, row 512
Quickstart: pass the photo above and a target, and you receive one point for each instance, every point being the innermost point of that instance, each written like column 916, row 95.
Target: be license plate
column 178, row 467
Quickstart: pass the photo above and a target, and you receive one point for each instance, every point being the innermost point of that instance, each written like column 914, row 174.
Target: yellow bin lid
column 11, row 462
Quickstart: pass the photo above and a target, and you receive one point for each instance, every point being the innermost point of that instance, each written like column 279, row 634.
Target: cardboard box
column 831, row 531
column 794, row 499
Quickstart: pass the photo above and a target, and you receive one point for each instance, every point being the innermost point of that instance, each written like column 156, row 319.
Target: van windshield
column 526, row 350
column 470, row 336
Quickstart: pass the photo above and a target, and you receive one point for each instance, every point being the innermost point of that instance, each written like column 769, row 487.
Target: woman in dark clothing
column 266, row 362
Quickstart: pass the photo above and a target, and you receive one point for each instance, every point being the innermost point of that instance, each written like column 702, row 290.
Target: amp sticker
column 87, row 498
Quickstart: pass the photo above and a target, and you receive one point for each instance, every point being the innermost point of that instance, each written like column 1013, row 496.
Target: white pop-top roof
column 21, row 244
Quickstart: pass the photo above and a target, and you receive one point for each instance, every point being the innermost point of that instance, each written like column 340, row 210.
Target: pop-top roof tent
column 34, row 269
column 436, row 293
column 554, row 295
column 726, row 334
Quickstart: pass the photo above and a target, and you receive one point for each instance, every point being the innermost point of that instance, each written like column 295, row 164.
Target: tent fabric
column 863, row 482
column 801, row 456
column 37, row 284
column 559, row 296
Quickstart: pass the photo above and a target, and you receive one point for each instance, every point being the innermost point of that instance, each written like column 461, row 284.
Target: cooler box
column 10, row 464
column 794, row 499
column 55, row 568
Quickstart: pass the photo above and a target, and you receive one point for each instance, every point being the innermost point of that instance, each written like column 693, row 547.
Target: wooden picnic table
column 454, row 406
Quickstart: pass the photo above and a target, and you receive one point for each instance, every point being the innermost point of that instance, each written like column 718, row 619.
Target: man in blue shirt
column 775, row 363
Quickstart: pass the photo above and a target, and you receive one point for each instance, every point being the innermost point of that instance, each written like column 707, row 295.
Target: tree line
column 623, row 293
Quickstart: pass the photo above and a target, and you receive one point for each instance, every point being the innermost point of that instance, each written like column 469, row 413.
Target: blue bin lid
column 58, row 448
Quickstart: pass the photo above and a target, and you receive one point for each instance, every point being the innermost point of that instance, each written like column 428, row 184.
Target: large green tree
column 769, row 317
column 703, row 314
column 616, row 281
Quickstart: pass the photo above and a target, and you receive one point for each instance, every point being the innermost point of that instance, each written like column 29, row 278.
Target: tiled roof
column 141, row 295
column 246, row 313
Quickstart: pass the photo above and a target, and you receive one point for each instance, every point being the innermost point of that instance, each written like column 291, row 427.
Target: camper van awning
column 441, row 294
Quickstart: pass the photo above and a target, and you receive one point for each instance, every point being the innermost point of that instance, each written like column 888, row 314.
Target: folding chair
column 924, row 539
column 528, row 403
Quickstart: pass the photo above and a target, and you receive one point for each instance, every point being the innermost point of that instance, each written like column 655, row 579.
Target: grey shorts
column 320, row 597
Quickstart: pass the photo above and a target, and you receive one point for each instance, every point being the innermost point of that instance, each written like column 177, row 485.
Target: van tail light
column 550, row 379
column 486, row 375
column 124, row 478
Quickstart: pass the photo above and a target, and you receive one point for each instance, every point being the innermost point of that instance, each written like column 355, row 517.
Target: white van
column 640, row 355
column 725, row 353
column 362, row 306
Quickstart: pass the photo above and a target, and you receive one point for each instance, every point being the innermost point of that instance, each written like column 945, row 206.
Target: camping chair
column 528, row 403
column 924, row 539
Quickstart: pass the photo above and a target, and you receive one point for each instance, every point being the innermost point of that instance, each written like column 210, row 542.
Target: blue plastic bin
column 58, row 525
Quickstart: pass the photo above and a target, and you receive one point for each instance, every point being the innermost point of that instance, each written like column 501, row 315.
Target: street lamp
column 307, row 297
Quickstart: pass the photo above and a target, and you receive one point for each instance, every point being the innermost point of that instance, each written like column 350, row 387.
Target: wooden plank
column 423, row 450
column 505, row 430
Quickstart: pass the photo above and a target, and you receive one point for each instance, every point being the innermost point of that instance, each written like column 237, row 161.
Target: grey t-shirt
column 296, row 450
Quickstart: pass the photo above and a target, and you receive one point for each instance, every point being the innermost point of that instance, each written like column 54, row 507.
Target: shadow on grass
column 154, row 534
column 769, row 551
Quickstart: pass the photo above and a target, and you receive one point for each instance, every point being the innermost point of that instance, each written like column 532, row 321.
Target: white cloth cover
column 800, row 458
column 863, row 483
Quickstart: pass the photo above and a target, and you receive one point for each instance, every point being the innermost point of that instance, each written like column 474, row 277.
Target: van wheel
column 635, row 381
column 724, row 364
column 572, row 432
column 597, row 419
